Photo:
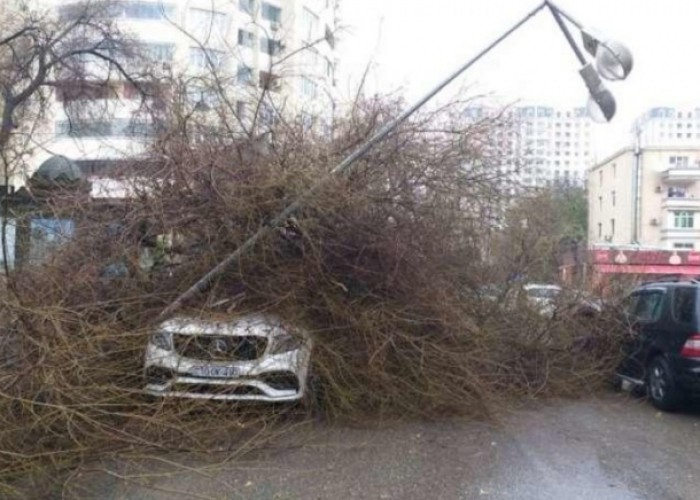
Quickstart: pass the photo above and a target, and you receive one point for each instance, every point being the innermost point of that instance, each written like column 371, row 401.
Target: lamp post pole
column 203, row 283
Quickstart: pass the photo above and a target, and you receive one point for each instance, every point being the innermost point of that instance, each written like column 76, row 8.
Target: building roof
column 630, row 149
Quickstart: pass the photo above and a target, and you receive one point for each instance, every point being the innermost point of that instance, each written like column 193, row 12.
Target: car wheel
column 662, row 388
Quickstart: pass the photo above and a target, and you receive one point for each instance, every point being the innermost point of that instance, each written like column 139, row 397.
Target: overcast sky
column 412, row 44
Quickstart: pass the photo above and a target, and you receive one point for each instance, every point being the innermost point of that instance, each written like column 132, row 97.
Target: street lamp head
column 601, row 106
column 613, row 59
column 601, row 103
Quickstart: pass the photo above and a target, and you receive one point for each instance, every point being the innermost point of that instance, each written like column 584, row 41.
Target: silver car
column 251, row 358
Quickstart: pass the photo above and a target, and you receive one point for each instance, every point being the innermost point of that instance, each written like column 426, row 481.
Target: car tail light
column 691, row 348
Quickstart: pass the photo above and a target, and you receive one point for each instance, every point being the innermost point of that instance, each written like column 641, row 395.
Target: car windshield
column 543, row 293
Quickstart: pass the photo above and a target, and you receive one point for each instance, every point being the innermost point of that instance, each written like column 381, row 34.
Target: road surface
column 609, row 448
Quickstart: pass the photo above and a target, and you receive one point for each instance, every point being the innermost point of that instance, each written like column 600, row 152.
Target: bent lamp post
column 613, row 62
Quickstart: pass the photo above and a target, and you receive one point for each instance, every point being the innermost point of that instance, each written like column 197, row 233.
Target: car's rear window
column 684, row 304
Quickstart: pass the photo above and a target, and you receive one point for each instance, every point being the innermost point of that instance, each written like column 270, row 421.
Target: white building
column 285, row 47
column 544, row 145
column 669, row 127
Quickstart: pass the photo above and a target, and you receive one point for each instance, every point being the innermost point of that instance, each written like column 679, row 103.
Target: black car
column 663, row 352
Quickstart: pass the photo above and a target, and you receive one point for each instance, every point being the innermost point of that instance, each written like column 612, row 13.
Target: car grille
column 220, row 347
column 217, row 389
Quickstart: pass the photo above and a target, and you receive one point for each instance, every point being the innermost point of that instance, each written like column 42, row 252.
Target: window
column 143, row 10
column 206, row 58
column 241, row 109
column 269, row 81
column 246, row 5
column 676, row 192
column 246, row 38
column 612, row 227
column 613, row 198
column 679, row 161
column 647, row 306
column 83, row 128
column 205, row 25
column 46, row 235
column 244, row 74
column 159, row 52
column 308, row 87
column 684, row 304
column 600, row 230
column 271, row 47
column 85, row 91
column 203, row 98
column 309, row 25
column 600, row 202
column 271, row 13
column 683, row 220
column 268, row 115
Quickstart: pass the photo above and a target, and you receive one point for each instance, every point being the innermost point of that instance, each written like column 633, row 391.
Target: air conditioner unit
column 654, row 222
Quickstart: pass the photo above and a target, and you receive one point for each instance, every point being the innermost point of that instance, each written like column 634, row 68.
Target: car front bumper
column 272, row 378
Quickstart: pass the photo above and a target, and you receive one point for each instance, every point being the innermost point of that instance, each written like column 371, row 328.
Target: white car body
column 252, row 358
column 542, row 297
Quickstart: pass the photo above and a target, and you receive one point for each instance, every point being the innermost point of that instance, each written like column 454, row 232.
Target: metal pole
column 566, row 15
column 206, row 280
column 636, row 184
column 567, row 34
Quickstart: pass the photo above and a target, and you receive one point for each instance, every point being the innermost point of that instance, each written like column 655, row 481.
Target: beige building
column 648, row 197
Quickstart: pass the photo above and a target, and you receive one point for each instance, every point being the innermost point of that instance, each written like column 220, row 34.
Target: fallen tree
column 380, row 266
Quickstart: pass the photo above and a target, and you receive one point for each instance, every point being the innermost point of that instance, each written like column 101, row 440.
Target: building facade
column 283, row 50
column 667, row 126
column 646, row 197
column 544, row 145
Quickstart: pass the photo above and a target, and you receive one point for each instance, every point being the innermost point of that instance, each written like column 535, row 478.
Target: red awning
column 646, row 269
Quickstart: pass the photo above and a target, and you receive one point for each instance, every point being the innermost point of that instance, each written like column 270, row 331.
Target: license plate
column 214, row 371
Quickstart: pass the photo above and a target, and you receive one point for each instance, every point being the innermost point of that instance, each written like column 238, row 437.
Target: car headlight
column 162, row 340
column 286, row 343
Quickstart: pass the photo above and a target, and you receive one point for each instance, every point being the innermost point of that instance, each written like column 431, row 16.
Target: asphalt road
column 610, row 448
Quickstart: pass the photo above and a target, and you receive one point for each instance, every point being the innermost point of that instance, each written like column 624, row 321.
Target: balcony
column 680, row 234
column 680, row 203
column 682, row 174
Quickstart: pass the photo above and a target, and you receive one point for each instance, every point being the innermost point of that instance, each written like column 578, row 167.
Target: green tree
column 538, row 229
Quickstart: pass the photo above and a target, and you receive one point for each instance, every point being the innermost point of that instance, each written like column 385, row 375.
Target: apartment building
column 285, row 47
column 544, row 145
column 667, row 126
column 646, row 197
